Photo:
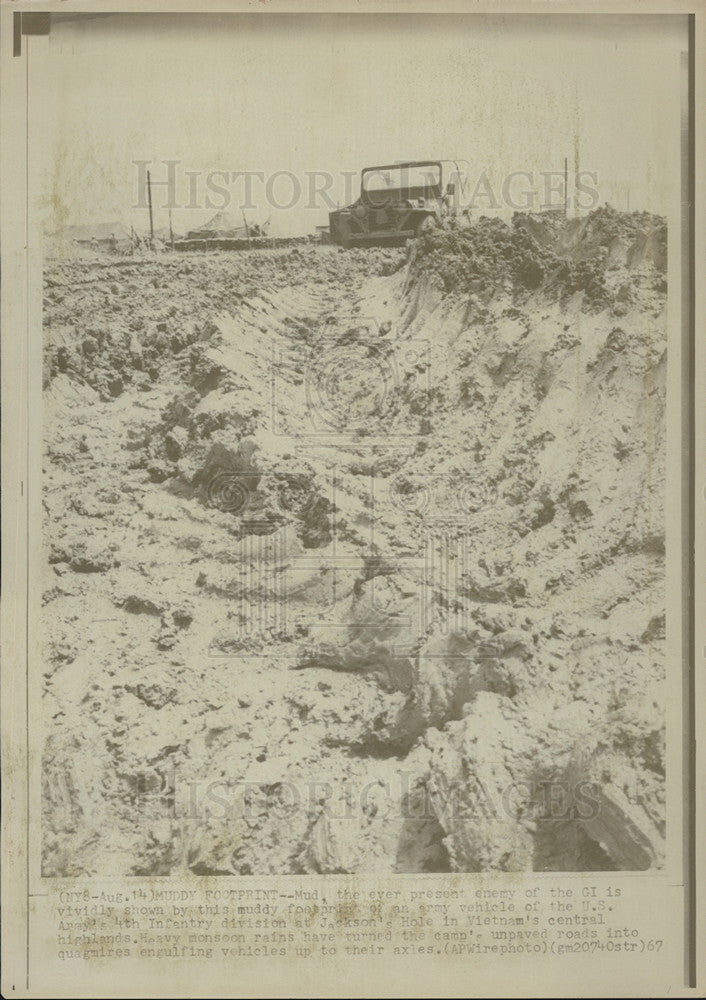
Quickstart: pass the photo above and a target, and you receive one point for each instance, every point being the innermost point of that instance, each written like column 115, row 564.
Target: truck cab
column 397, row 201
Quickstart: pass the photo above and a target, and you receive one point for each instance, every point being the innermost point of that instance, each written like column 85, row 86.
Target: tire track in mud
column 152, row 760
column 431, row 579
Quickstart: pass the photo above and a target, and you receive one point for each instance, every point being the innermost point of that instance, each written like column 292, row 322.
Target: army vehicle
column 396, row 202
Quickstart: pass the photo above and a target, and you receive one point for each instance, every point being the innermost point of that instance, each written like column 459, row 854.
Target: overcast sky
column 334, row 93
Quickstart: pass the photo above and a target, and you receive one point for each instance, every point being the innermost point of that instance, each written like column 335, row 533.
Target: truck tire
column 344, row 236
column 426, row 225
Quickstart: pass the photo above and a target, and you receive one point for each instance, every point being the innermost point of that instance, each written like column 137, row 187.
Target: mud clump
column 545, row 250
column 115, row 323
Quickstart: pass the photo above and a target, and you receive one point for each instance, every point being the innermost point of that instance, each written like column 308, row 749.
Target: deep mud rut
column 355, row 561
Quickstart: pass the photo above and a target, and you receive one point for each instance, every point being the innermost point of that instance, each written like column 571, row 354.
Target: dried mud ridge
column 355, row 560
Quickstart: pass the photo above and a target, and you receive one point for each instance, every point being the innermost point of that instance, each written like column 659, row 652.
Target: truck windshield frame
column 424, row 174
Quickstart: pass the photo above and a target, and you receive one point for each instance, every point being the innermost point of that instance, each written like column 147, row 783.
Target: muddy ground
column 355, row 560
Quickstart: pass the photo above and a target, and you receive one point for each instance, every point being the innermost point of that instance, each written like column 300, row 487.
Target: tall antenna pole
column 149, row 201
column 566, row 186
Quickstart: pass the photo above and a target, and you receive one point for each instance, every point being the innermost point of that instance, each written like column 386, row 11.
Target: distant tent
column 224, row 226
column 221, row 225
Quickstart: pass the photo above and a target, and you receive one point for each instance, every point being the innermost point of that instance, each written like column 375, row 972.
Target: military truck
column 396, row 202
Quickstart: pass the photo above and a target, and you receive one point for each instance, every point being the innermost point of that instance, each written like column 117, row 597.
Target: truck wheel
column 344, row 236
column 426, row 225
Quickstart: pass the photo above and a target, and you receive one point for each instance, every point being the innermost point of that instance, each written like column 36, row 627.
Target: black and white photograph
column 352, row 498
column 354, row 453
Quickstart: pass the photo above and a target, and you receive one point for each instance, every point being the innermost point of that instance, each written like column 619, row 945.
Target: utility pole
column 149, row 201
column 566, row 186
